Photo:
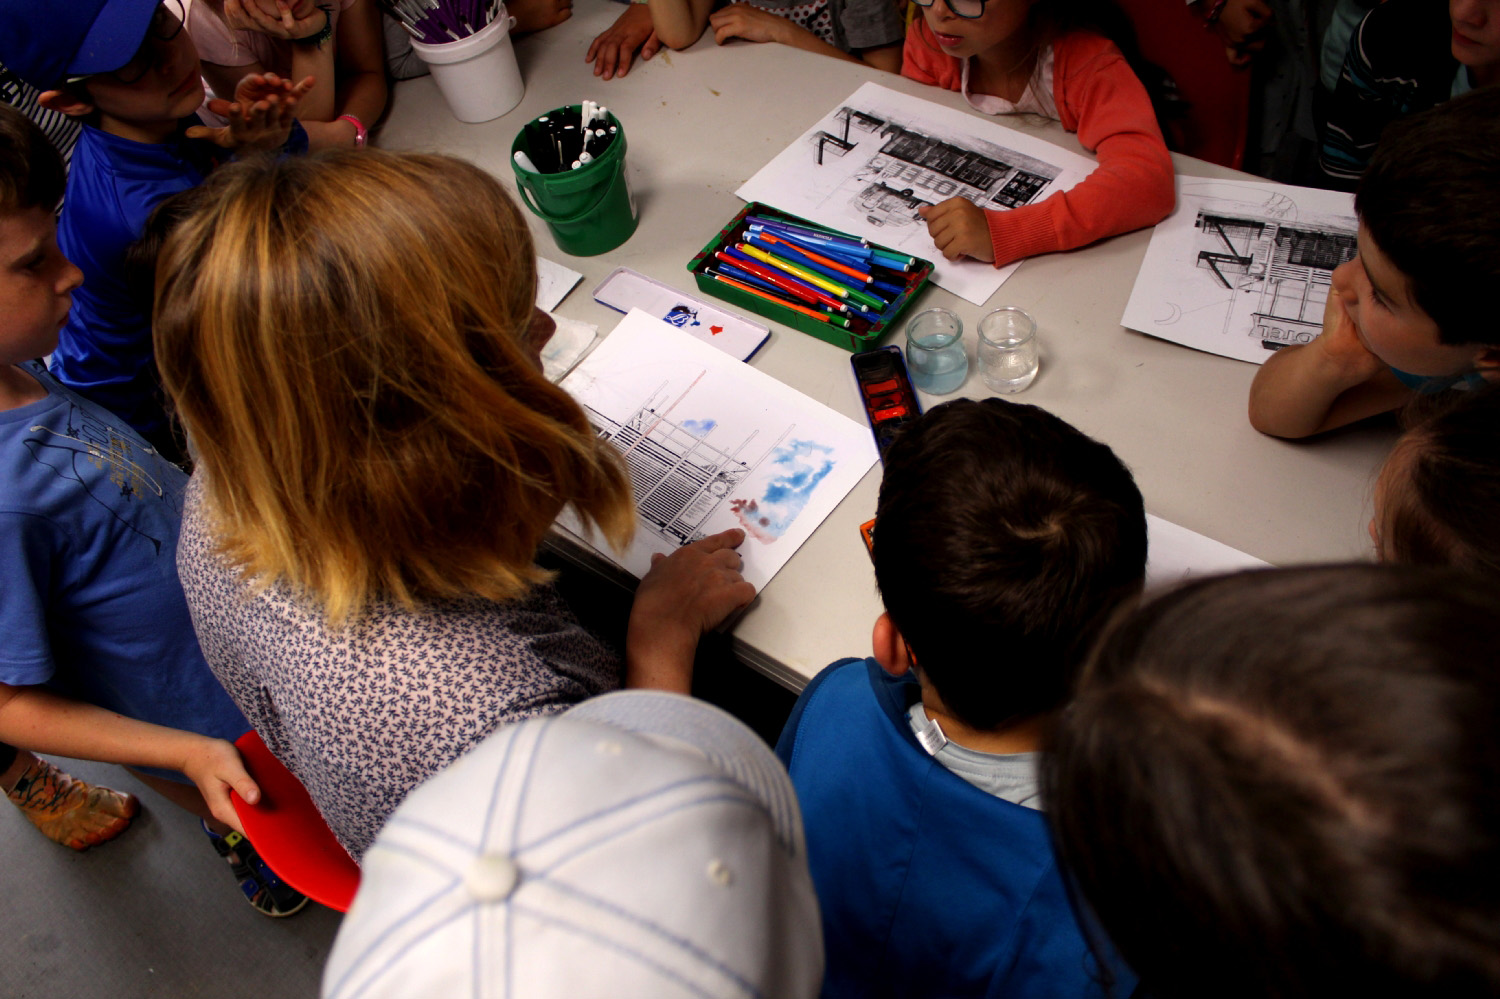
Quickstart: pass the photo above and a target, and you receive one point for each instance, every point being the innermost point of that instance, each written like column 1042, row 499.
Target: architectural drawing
column 710, row 444
column 870, row 164
column 678, row 477
column 1243, row 269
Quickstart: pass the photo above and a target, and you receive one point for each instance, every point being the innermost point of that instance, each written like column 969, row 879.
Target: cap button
column 492, row 877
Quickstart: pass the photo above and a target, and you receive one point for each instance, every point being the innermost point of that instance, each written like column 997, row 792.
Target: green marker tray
column 850, row 340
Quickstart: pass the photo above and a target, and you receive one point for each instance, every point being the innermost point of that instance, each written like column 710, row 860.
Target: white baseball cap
column 641, row 844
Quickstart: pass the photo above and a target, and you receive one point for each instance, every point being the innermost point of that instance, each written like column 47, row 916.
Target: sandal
column 267, row 893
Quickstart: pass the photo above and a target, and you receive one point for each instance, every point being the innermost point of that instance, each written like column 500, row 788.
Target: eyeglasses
column 166, row 25
column 962, row 8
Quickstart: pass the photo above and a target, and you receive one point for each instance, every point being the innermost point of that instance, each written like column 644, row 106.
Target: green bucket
column 590, row 210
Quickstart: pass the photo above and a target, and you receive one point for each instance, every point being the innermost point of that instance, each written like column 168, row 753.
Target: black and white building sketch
column 1288, row 266
column 678, row 478
column 1243, row 268
column 907, row 168
column 872, row 162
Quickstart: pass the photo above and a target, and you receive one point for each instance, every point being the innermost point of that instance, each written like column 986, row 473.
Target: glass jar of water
column 935, row 351
column 1007, row 351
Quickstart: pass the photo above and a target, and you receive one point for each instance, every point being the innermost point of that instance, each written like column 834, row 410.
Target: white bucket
column 478, row 75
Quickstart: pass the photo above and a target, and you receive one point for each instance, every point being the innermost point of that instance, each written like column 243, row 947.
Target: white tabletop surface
column 700, row 122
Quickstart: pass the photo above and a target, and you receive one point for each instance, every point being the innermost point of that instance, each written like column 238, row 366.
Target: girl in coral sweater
column 1045, row 57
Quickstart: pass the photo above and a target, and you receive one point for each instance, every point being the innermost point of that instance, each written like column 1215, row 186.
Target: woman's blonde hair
column 344, row 336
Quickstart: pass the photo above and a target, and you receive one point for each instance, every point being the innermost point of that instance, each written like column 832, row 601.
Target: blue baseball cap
column 44, row 43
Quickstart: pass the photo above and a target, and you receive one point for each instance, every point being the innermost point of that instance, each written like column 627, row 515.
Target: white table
column 700, row 122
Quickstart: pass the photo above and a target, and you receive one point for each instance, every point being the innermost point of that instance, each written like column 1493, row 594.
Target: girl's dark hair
column 31, row 171
column 1004, row 539
column 1286, row 783
column 1431, row 201
column 1441, row 487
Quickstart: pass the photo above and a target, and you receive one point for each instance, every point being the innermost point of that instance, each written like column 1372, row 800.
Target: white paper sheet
column 553, row 282
column 567, row 346
column 1178, row 553
column 866, row 166
column 712, row 444
column 1242, row 268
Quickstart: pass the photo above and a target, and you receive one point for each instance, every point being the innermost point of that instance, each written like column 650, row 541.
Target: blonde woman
column 352, row 346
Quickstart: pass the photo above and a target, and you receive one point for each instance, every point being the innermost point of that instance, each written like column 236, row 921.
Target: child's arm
column 43, row 722
column 679, row 23
column 352, row 60
column 1331, row 382
column 612, row 51
column 683, row 596
column 1132, row 187
column 754, row 24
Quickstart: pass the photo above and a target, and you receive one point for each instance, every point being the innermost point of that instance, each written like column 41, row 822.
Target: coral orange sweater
column 1100, row 98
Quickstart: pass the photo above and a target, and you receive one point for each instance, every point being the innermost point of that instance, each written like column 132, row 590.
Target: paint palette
column 625, row 289
column 886, row 392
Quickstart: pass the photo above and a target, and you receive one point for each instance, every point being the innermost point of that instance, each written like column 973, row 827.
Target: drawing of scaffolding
column 1289, row 265
column 678, row 478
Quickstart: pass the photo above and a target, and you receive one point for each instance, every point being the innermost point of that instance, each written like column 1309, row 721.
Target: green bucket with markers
column 589, row 208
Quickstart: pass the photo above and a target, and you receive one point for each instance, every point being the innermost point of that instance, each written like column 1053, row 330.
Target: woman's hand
column 685, row 594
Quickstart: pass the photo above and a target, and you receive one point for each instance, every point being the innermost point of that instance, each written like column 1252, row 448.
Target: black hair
column 31, row 171
column 1003, row 538
column 1441, row 492
column 1286, row 783
column 1431, row 201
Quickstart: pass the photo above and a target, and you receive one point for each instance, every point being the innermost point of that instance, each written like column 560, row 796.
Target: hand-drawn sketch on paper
column 711, row 443
column 1242, row 269
column 870, row 164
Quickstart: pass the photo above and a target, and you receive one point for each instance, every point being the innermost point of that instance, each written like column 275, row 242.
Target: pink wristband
column 361, row 134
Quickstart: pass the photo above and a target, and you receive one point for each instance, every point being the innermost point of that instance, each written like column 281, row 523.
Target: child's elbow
column 676, row 37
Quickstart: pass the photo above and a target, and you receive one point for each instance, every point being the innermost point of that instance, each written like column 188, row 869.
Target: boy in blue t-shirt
column 128, row 71
column 99, row 659
column 1003, row 538
column 1414, row 312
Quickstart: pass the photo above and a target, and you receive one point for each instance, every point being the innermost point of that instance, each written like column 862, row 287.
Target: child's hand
column 1341, row 346
column 743, row 20
column 215, row 766
column 684, row 595
column 1242, row 27
column 537, row 15
column 613, row 50
column 274, row 19
column 260, row 118
column 959, row 229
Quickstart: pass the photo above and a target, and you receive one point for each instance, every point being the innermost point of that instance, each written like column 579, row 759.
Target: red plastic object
column 1218, row 95
column 290, row 834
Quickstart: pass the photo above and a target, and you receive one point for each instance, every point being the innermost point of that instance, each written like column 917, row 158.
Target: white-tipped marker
column 524, row 162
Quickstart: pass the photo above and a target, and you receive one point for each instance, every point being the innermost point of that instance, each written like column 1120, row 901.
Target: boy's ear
column 890, row 648
column 64, row 103
column 1487, row 363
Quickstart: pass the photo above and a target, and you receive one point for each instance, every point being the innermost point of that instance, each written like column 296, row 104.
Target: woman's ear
column 890, row 648
column 64, row 102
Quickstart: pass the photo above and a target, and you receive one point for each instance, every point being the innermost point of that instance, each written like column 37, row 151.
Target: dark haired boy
column 98, row 659
column 128, row 72
column 1414, row 311
column 1003, row 538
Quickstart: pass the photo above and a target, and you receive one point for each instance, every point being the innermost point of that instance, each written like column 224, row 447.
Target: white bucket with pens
column 476, row 71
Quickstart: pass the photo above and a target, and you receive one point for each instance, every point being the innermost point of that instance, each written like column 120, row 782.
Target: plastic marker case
column 853, row 340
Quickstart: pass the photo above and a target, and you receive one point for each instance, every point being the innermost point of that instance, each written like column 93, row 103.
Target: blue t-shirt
column 91, row 605
column 927, row 884
column 104, row 351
